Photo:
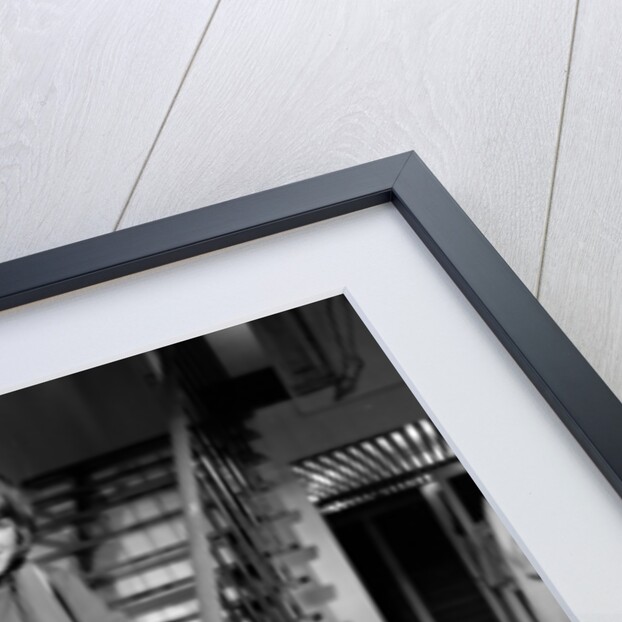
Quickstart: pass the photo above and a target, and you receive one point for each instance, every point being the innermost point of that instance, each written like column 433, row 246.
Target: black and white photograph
column 276, row 471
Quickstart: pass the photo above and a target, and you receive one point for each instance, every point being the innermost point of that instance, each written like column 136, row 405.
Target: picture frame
column 584, row 403
column 573, row 390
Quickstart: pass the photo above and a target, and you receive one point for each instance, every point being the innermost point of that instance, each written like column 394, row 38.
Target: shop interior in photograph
column 275, row 471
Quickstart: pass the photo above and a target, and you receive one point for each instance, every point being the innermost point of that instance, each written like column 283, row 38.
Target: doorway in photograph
column 275, row 471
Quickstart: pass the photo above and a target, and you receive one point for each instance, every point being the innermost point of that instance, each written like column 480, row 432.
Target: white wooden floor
column 113, row 114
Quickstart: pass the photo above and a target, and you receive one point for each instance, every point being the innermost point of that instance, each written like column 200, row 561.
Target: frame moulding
column 575, row 392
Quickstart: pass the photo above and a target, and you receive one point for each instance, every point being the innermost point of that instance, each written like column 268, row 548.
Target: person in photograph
column 27, row 592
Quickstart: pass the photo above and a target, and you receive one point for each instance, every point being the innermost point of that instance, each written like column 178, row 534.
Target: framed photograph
column 330, row 401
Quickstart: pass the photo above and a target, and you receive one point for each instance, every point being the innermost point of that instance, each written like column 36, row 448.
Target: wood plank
column 84, row 88
column 282, row 92
column 582, row 272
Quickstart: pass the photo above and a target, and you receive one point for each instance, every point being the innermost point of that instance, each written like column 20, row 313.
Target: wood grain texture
column 582, row 275
column 280, row 92
column 84, row 87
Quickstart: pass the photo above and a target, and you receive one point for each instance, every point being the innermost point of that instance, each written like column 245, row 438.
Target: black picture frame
column 573, row 389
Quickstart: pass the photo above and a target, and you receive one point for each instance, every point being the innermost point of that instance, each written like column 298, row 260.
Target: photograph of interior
column 276, row 471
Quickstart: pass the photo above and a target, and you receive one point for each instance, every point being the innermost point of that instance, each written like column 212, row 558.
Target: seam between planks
column 547, row 219
column 210, row 19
